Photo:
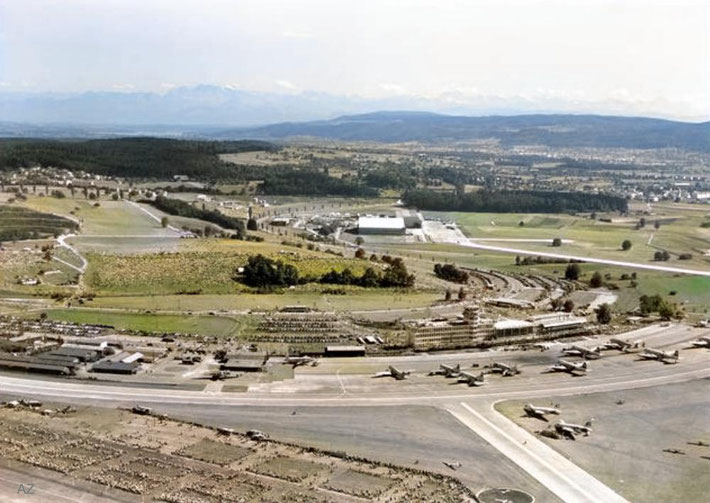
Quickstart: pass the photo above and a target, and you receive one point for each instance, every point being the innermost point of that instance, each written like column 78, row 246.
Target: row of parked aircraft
column 562, row 365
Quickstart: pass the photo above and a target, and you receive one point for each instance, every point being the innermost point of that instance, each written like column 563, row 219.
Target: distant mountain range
column 552, row 130
column 213, row 112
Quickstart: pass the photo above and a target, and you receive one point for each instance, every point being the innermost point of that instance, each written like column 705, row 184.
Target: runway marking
column 541, row 465
column 340, row 381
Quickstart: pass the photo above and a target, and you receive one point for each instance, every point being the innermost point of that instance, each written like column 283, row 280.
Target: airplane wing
column 384, row 373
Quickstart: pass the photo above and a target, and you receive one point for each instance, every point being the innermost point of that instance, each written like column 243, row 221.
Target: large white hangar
column 380, row 225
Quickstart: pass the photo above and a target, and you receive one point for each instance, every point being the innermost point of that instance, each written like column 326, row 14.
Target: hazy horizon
column 630, row 57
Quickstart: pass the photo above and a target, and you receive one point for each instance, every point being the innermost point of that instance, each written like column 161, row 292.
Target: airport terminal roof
column 511, row 324
column 564, row 323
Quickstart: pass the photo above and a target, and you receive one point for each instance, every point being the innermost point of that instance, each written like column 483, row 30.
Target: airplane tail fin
column 584, row 365
column 676, row 354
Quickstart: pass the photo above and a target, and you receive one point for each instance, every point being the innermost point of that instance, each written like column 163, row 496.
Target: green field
column 680, row 232
column 203, row 325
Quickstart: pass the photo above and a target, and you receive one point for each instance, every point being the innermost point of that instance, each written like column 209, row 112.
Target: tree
column 359, row 240
column 642, row 223
column 604, row 314
column 447, row 295
column 462, row 294
column 164, row 222
column 626, row 245
column 568, row 306
column 252, row 224
column 360, row 253
column 517, row 260
column 666, row 310
column 661, row 256
column 596, row 280
column 262, row 272
column 572, row 272
column 557, row 242
column 657, row 224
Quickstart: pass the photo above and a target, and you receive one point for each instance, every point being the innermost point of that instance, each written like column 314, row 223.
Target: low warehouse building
column 345, row 351
column 393, row 226
column 116, row 367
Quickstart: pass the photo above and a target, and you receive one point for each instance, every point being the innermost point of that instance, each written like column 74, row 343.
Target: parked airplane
column 504, row 369
column 586, row 353
column 570, row 430
column 472, row 379
column 540, row 412
column 567, row 366
column 703, row 342
column 660, row 355
column 447, row 370
column 619, row 344
column 297, row 361
column 394, row 372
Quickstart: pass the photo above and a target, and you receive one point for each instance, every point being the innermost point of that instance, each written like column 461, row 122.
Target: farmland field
column 22, row 223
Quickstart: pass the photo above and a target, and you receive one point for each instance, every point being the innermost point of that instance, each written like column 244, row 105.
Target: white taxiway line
column 551, row 469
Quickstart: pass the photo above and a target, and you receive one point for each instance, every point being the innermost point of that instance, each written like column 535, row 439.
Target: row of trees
column 183, row 209
column 519, row 201
column 263, row 272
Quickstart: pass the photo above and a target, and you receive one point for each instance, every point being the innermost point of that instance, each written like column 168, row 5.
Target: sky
column 640, row 57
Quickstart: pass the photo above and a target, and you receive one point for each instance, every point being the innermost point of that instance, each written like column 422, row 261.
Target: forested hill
column 128, row 157
column 521, row 201
column 551, row 130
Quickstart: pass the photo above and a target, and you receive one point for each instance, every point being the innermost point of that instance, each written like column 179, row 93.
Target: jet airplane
column 660, row 355
column 394, row 372
column 569, row 430
column 703, row 342
column 586, row 353
column 472, row 379
column 504, row 369
column 447, row 370
column 540, row 412
column 570, row 367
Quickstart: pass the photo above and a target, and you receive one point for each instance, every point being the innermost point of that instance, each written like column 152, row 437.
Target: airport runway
column 320, row 394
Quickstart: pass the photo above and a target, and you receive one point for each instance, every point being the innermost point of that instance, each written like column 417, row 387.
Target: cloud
column 303, row 35
column 393, row 88
column 287, row 85
column 123, row 87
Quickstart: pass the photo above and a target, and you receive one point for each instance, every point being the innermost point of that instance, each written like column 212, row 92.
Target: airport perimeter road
column 562, row 477
column 635, row 265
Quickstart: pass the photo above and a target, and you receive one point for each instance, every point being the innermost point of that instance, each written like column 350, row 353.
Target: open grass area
column 679, row 232
column 205, row 266
column 224, row 326
column 110, row 218
column 357, row 299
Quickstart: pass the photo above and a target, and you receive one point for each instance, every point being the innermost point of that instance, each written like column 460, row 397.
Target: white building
column 380, row 225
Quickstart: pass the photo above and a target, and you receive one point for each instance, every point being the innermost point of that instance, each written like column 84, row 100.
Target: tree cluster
column 450, row 272
column 263, row 272
column 183, row 209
